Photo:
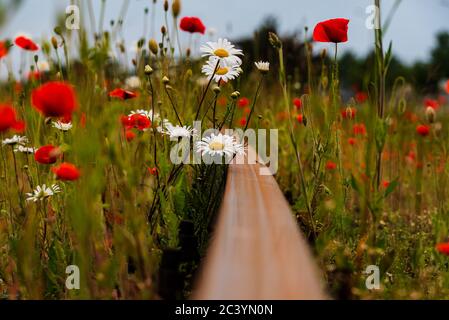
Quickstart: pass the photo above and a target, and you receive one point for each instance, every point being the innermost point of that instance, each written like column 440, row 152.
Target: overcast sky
column 413, row 29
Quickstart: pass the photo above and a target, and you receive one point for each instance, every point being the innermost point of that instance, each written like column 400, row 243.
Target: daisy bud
column 163, row 30
column 165, row 80
column 274, row 40
column 235, row 95
column 148, row 70
column 152, row 45
column 176, row 8
column 166, row 5
column 217, row 90
column 188, row 52
column 430, row 114
column 54, row 42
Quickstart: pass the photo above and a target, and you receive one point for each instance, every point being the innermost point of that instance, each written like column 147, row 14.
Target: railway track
column 256, row 251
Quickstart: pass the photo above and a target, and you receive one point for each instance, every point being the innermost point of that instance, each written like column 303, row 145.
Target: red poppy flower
column 54, row 99
column 300, row 118
column 192, row 25
column 423, row 130
column 242, row 122
column 359, row 129
column 243, row 102
column 348, row 113
column 333, row 30
column 361, row 97
column 431, row 103
column 297, row 102
column 247, row 111
column 447, row 87
column 385, row 184
column 8, row 120
column 3, row 49
column 122, row 94
column 137, row 121
column 47, row 154
column 66, row 171
column 352, row 141
column 130, row 135
column 443, row 248
column 34, row 75
column 222, row 101
column 152, row 171
column 330, row 165
column 26, row 44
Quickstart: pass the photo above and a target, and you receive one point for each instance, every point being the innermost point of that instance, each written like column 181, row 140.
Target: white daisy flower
column 222, row 50
column 262, row 66
column 62, row 126
column 164, row 124
column 15, row 140
column 23, row 149
column 133, row 83
column 224, row 73
column 176, row 132
column 43, row 192
column 219, row 145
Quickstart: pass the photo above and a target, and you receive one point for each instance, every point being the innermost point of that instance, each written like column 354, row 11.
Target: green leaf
column 391, row 187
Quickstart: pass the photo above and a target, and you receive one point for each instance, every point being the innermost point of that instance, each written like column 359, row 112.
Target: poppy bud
column 152, row 45
column 188, row 52
column 166, row 5
column 54, row 42
column 163, row 30
column 430, row 114
column 274, row 40
column 323, row 53
column 176, row 8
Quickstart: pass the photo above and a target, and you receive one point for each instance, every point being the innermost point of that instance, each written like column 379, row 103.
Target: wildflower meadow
column 120, row 167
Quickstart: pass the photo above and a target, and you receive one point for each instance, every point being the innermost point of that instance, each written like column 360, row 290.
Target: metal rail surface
column 257, row 251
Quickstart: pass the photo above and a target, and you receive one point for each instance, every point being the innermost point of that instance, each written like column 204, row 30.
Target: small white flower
column 15, row 140
column 222, row 50
column 224, row 73
column 219, row 145
column 176, row 132
column 262, row 66
column 23, row 149
column 133, row 83
column 43, row 192
column 62, row 126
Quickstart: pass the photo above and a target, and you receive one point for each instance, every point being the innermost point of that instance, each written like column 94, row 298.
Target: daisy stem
column 205, row 91
column 256, row 96
column 174, row 107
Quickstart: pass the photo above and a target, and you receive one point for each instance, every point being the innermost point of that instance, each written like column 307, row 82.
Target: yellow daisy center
column 216, row 146
column 222, row 71
column 222, row 53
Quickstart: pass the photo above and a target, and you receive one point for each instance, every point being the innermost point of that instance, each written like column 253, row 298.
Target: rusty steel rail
column 256, row 251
